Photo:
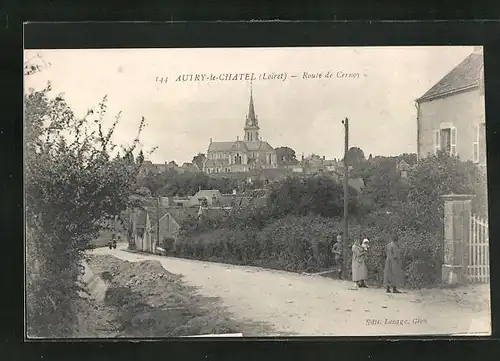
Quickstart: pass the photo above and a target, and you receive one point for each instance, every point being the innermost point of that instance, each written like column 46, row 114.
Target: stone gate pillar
column 457, row 213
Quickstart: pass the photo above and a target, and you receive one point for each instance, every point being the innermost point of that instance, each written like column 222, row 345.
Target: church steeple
column 252, row 122
column 251, row 110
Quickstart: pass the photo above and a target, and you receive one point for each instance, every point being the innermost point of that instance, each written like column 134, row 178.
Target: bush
column 319, row 195
column 73, row 187
column 295, row 230
column 297, row 243
column 220, row 245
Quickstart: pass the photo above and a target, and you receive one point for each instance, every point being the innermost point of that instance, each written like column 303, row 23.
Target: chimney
column 324, row 157
column 210, row 140
column 237, row 138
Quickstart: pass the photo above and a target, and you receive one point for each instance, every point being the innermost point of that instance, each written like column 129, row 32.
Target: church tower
column 252, row 122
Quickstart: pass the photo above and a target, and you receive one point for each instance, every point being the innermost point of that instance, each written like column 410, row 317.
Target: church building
column 250, row 153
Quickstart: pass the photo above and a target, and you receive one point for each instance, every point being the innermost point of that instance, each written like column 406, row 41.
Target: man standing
column 393, row 273
column 337, row 255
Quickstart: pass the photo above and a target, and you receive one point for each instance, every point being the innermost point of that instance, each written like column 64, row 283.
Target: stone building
column 451, row 115
column 247, row 154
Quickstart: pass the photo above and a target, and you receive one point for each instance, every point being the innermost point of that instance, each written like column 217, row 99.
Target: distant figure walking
column 112, row 242
column 393, row 273
column 359, row 269
column 337, row 255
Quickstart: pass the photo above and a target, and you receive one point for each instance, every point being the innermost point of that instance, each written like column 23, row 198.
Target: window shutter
column 453, row 141
column 475, row 154
column 437, row 141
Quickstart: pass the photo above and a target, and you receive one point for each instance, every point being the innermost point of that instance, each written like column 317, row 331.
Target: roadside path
column 294, row 304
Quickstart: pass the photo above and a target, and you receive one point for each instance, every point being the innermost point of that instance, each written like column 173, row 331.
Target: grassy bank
column 151, row 302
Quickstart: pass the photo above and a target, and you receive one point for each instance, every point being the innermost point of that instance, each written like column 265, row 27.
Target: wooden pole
column 346, row 193
column 157, row 223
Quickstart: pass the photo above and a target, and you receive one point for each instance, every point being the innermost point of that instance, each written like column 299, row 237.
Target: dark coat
column 393, row 272
column 359, row 269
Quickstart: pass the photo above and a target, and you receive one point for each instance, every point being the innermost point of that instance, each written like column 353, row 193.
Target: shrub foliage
column 73, row 187
column 295, row 229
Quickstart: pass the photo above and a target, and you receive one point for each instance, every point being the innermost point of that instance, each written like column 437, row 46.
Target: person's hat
column 366, row 240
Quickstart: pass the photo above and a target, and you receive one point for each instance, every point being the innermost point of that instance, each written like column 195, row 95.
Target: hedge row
column 303, row 244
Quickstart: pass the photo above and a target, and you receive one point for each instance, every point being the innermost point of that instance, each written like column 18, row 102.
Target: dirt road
column 293, row 304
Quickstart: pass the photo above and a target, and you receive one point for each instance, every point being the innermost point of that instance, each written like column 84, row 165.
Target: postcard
column 256, row 192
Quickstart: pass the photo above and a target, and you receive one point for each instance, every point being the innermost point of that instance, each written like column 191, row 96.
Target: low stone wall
column 95, row 284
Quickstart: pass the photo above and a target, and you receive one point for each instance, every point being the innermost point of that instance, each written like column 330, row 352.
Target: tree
column 438, row 175
column 73, row 190
column 318, row 195
column 286, row 155
column 383, row 184
column 140, row 157
column 411, row 158
column 35, row 65
column 355, row 157
column 199, row 159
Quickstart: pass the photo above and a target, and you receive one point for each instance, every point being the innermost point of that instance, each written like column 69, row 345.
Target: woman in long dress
column 359, row 269
column 393, row 272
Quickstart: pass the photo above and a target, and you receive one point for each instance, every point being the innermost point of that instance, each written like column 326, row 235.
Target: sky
column 302, row 113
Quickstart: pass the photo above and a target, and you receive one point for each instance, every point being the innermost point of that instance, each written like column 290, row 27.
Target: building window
column 445, row 139
column 479, row 148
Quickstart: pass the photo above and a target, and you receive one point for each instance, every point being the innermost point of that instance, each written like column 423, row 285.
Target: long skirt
column 359, row 271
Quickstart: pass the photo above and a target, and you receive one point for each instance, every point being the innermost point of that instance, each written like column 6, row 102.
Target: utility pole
column 157, row 222
column 346, row 193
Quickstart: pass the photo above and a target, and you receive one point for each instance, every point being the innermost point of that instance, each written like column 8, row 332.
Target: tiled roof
column 208, row 193
column 239, row 146
column 259, row 145
column 189, row 166
column 243, row 146
column 181, row 214
column 220, row 146
column 463, row 76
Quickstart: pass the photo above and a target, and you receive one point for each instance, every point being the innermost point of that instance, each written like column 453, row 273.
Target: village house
column 451, row 114
column 157, row 220
column 241, row 155
column 188, row 167
column 139, row 231
column 149, row 167
column 403, row 168
column 205, row 198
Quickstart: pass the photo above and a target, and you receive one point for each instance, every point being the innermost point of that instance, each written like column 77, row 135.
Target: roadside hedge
column 303, row 244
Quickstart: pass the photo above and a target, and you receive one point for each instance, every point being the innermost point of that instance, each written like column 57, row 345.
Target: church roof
column 239, row 146
column 464, row 76
column 220, row 146
column 259, row 145
column 243, row 146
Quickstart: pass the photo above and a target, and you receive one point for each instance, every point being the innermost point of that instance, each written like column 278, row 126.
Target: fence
column 478, row 269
